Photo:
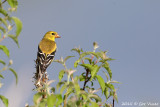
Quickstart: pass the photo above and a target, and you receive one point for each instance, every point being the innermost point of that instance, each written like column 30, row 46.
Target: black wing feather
column 44, row 60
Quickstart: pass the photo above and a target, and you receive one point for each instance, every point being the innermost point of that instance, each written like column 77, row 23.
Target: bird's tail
column 40, row 75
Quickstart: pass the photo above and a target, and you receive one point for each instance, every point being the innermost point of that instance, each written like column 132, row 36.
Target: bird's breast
column 47, row 46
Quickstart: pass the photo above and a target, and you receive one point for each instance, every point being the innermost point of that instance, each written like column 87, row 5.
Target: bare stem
column 113, row 102
column 44, row 80
column 86, row 79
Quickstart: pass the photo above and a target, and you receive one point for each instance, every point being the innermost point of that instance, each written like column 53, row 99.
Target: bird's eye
column 53, row 33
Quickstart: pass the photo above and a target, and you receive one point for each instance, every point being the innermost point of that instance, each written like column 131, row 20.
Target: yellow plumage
column 47, row 46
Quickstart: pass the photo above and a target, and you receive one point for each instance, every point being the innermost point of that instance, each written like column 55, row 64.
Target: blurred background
column 128, row 29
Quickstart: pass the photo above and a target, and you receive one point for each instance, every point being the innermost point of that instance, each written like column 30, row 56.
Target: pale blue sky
column 128, row 29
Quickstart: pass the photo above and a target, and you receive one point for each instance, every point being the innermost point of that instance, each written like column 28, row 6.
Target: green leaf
column 13, row 3
column 87, row 66
column 110, row 86
column 92, row 68
column 108, row 105
column 15, row 74
column 75, row 80
column 42, row 104
column 86, row 105
column 4, row 100
column 76, row 50
column 67, row 58
column 2, row 29
column 61, row 74
column 59, row 84
column 4, row 12
column 110, row 59
column 78, row 103
column 1, row 76
column 3, row 21
column 111, row 93
column 63, row 88
column 82, row 78
column 96, row 97
column 84, row 96
column 105, row 60
column 18, row 25
column 89, row 59
column 94, row 104
column 106, row 66
column 51, row 100
column 101, row 82
column 70, row 88
column 103, row 55
column 91, row 83
column 71, row 103
column 88, row 53
column 2, row 62
column 53, row 89
column 106, row 93
column 60, row 100
column 14, row 38
column 106, row 75
column 94, row 71
column 36, row 98
column 116, row 97
column 114, row 82
column 5, row 49
column 76, row 63
column 77, row 88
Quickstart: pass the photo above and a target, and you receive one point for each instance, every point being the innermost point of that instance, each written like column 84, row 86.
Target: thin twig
column 4, row 1
column 113, row 102
column 4, row 35
column 2, row 38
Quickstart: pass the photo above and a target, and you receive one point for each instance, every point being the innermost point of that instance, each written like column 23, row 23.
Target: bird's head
column 51, row 35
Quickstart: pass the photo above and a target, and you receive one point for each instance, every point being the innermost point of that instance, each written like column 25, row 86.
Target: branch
column 113, row 102
column 86, row 79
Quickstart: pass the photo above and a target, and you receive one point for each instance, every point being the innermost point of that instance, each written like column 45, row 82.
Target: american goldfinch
column 46, row 51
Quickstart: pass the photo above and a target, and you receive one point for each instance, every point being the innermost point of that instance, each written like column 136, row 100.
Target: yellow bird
column 46, row 51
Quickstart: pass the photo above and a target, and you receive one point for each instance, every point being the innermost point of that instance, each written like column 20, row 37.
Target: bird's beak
column 57, row 36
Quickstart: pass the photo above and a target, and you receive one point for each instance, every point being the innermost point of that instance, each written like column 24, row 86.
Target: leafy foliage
column 70, row 93
column 7, row 23
column 15, row 74
column 4, row 100
column 4, row 49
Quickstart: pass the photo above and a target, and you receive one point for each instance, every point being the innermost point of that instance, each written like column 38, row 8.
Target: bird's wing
column 44, row 59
